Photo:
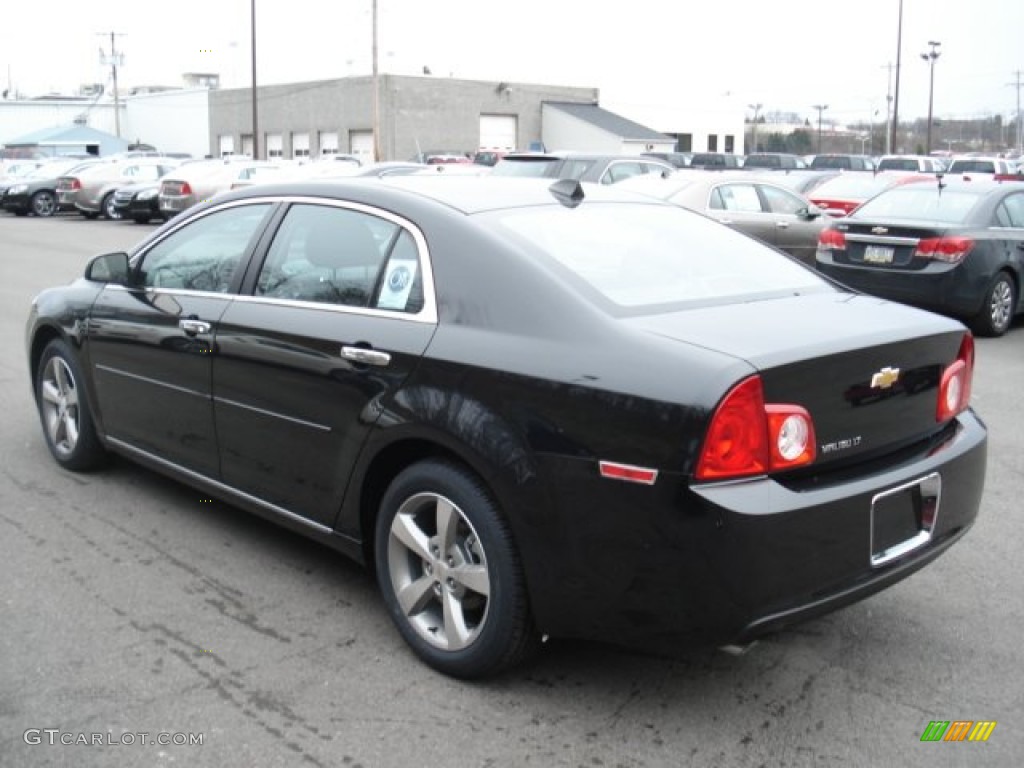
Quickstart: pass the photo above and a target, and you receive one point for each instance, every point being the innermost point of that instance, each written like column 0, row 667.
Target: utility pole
column 376, row 91
column 753, row 127
column 894, row 136
column 821, row 108
column 1020, row 129
column 113, row 75
column 888, row 109
column 255, row 109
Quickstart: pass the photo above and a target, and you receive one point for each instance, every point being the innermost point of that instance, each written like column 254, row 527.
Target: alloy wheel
column 60, row 406
column 438, row 570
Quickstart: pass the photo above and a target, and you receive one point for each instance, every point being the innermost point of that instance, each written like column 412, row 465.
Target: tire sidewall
column 490, row 648
column 986, row 324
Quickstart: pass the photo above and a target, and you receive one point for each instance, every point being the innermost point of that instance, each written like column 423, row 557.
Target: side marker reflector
column 628, row 473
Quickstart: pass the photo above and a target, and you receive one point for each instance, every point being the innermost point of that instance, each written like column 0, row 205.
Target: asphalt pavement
column 135, row 612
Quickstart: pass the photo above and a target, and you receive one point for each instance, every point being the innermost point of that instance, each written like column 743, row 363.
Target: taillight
column 75, row 184
column 185, row 188
column 832, row 239
column 948, row 249
column 749, row 437
column 955, row 384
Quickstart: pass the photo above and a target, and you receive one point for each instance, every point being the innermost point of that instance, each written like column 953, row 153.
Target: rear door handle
column 193, row 327
column 782, row 224
column 365, row 356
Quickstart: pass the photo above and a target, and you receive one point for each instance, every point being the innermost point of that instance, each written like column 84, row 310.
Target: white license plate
column 878, row 254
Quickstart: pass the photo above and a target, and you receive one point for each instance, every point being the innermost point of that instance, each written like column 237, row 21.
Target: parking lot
column 136, row 609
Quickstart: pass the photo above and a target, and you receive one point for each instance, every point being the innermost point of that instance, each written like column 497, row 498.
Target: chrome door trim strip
column 292, row 419
column 156, row 382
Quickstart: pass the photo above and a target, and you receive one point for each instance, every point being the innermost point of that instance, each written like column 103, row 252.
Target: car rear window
column 921, row 202
column 636, row 258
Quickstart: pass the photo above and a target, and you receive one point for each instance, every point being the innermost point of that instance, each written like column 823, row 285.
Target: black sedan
column 532, row 409
column 36, row 192
column 139, row 202
column 950, row 245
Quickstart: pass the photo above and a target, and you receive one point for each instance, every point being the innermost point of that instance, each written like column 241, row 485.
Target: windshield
column 921, row 202
column 649, row 258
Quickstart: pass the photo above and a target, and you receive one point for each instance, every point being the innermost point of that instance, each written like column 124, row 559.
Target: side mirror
column 810, row 213
column 108, row 268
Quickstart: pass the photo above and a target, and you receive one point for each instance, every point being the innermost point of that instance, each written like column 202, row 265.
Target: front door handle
column 194, row 327
column 365, row 356
column 782, row 224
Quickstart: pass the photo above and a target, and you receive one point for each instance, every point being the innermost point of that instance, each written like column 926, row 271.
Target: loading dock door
column 498, row 132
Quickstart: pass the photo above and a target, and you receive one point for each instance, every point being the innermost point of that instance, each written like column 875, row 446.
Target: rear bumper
column 949, row 289
column 671, row 565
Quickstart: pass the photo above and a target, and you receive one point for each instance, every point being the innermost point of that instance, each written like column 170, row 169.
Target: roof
column 609, row 121
column 70, row 134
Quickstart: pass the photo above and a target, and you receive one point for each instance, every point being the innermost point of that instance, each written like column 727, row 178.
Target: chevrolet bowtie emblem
column 885, row 378
column 879, row 230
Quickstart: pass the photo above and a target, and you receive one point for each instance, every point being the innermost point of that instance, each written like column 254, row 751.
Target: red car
column 843, row 194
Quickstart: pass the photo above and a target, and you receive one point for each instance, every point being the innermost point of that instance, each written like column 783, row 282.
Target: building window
column 730, row 144
column 684, row 142
column 713, row 142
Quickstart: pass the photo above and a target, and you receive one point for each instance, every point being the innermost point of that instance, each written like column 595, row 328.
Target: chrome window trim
column 428, row 314
column 882, row 239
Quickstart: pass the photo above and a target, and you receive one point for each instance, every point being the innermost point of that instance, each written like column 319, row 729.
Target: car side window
column 736, row 197
column 333, row 255
column 620, row 171
column 1011, row 212
column 204, row 254
column 780, row 201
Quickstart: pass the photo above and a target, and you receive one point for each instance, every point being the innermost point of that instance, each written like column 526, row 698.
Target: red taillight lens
column 948, row 249
column 955, row 384
column 185, row 188
column 75, row 184
column 747, row 437
column 832, row 239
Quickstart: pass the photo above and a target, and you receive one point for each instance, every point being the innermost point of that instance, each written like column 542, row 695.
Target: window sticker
column 398, row 280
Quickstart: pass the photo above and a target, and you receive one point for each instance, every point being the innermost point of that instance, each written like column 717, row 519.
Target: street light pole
column 821, row 108
column 896, row 96
column 753, row 128
column 930, row 57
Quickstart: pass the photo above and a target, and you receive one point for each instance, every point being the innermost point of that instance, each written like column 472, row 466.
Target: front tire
column 998, row 309
column 43, row 203
column 64, row 410
column 450, row 574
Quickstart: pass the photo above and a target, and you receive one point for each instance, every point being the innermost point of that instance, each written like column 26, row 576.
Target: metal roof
column 609, row 121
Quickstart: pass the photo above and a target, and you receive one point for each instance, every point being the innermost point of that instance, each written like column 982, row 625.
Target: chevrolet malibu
column 530, row 408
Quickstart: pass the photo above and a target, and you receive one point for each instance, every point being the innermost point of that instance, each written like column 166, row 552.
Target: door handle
column 782, row 224
column 193, row 327
column 365, row 356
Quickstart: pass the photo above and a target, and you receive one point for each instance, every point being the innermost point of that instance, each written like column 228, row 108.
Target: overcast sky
column 784, row 54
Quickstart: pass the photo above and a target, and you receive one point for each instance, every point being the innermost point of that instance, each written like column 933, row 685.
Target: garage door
column 361, row 145
column 498, row 132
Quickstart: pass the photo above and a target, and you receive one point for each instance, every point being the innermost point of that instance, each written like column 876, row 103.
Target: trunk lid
column 867, row 370
column 887, row 245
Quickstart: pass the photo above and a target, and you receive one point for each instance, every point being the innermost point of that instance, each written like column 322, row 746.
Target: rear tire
column 450, row 574
column 107, row 206
column 998, row 309
column 63, row 405
column 140, row 219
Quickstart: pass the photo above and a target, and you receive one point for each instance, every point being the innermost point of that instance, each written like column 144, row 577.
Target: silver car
column 760, row 208
column 91, row 191
column 198, row 182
